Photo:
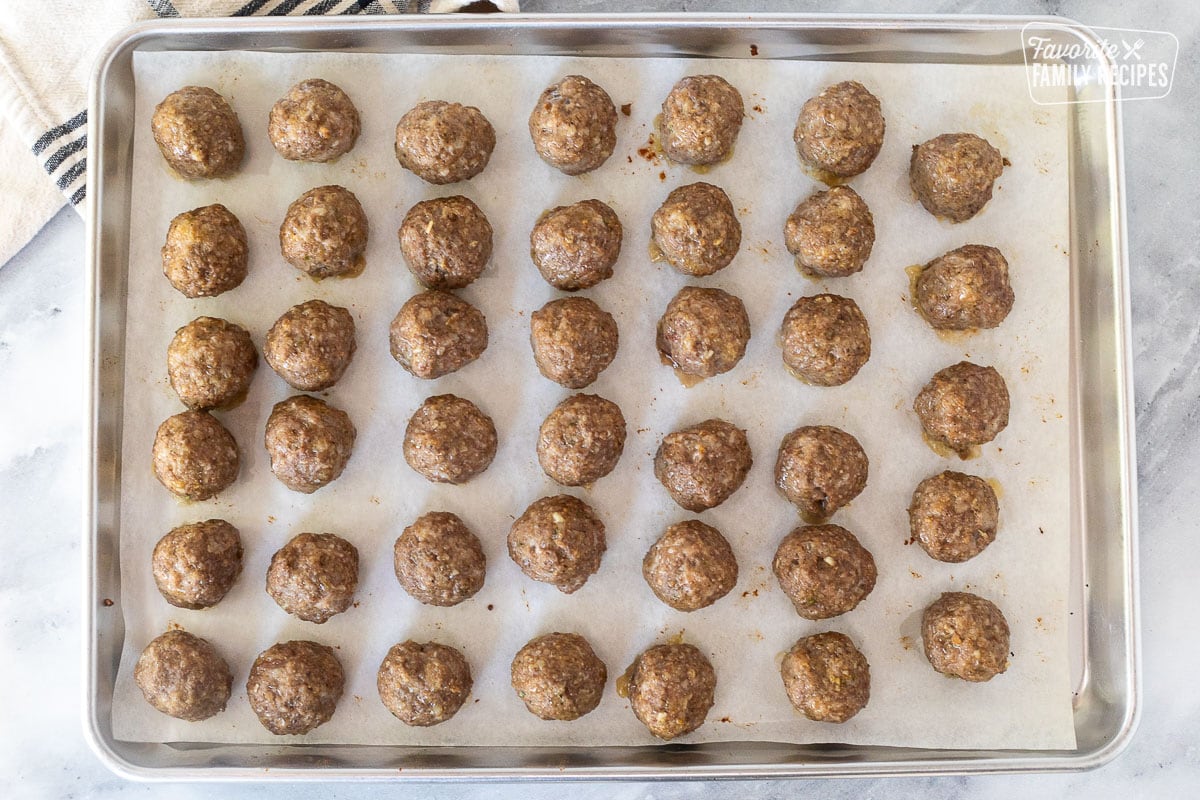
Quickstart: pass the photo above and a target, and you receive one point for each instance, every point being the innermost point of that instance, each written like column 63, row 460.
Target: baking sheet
column 745, row 634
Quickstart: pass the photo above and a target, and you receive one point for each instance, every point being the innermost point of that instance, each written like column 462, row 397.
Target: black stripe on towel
column 163, row 8
column 65, row 152
column 323, row 7
column 58, row 131
column 79, row 194
column 284, row 8
column 249, row 8
column 68, row 177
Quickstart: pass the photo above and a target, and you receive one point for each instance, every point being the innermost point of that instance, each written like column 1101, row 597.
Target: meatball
column 963, row 405
column 559, row 676
column 311, row 345
column 573, row 341
column 953, row 516
column 446, row 242
column 423, row 683
column 314, row 121
column 442, row 142
column 198, row 133
column 574, row 125
column 696, row 230
column 581, row 440
column 206, row 252
column 701, row 118
column 575, row 247
column 196, row 565
column 691, row 566
column 436, row 333
column 823, row 570
column 183, row 676
column 295, row 686
column 671, row 689
column 324, row 233
column 439, row 561
column 831, row 233
column 965, row 636
column 964, row 289
column 953, row 174
column 825, row 339
column 703, row 332
column 840, row 130
column 194, row 456
column 449, row 440
column 558, row 540
column 210, row 363
column 308, row 442
column 703, row 465
column 314, row 576
column 826, row 677
column 820, row 469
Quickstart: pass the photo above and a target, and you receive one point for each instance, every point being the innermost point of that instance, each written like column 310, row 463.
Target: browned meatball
column 575, row 247
column 442, row 142
column 703, row 332
column 314, row 121
column 183, row 676
column 703, row 465
column 446, row 242
column 953, row 174
column 314, row 576
column 324, row 233
column 423, row 683
column 965, row 288
column 449, row 440
column 559, row 676
column 825, row 339
column 210, row 363
column 309, row 442
column 198, row 133
column 574, row 125
column 696, row 229
column 840, row 130
column 295, row 686
column 436, row 333
column 581, row 440
column 206, row 252
column 196, row 565
column 671, row 689
column 691, row 566
column 439, row 561
column 965, row 636
column 963, row 405
column 701, row 118
column 194, row 456
column 831, row 233
column 823, row 570
column 953, row 516
column 573, row 341
column 311, row 345
column 826, row 677
column 558, row 540
column 819, row 469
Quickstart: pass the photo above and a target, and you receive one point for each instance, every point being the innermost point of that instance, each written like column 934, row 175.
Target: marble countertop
column 41, row 361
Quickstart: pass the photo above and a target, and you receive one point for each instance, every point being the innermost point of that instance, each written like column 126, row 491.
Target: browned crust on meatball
column 314, row 576
column 559, row 676
column 964, row 289
column 446, row 242
column 314, row 121
column 210, row 363
column 198, row 133
column 436, row 333
column 826, row 677
column 581, row 440
column 206, row 252
column 823, row 570
column 825, row 339
column 438, row 560
column 575, row 247
column 840, row 130
column 820, row 469
column 309, row 442
column 449, row 440
column 195, row 565
column 831, row 233
column 701, row 118
column 953, row 174
column 696, row 229
column 703, row 332
column 965, row 636
column 558, row 540
column 183, row 676
column 671, row 689
column 573, row 341
column 574, row 125
column 691, row 566
column 963, row 405
column 953, row 516
column 311, row 345
column 702, row 465
column 194, row 456
column 423, row 683
column 324, row 233
column 295, row 686
column 442, row 142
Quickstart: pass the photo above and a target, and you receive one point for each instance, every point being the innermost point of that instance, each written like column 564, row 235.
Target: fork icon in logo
column 1132, row 50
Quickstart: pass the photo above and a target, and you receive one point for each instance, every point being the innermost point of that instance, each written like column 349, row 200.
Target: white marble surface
column 42, row 752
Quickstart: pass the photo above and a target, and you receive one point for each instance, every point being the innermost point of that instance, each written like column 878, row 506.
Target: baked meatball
column 703, row 465
column 446, row 242
column 573, row 341
column 308, row 442
column 194, row 456
column 962, row 406
column 314, row 576
column 324, row 233
column 436, row 333
column 206, row 252
column 196, row 565
column 953, row 516
column 581, row 440
column 574, row 125
column 671, row 689
column 823, row 570
column 831, row 233
column 840, row 130
column 703, row 332
column 965, row 636
column 558, row 540
column 701, row 118
column 198, row 133
column 953, row 174
column 295, row 686
column 559, row 676
column 449, row 440
column 311, row 345
column 819, row 469
column 439, row 561
column 423, row 683
column 964, row 289
column 183, row 676
column 210, row 363
column 314, row 121
column 826, row 677
column 696, row 230
column 825, row 339
column 691, row 566
column 575, row 247
column 442, row 142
